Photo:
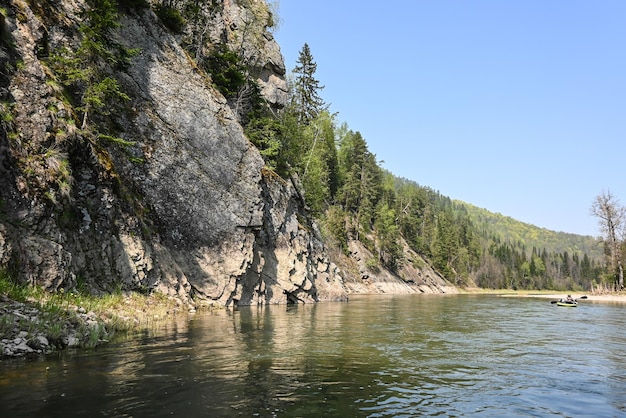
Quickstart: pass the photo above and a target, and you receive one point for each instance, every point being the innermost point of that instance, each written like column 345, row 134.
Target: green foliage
column 101, row 17
column 334, row 223
column 6, row 113
column 83, row 72
column 227, row 71
column 266, row 133
column 372, row 264
column 171, row 17
column 58, row 318
column 306, row 88
column 388, row 237
column 320, row 171
column 116, row 140
column 100, row 92
column 362, row 184
column 315, row 184
column 134, row 4
column 611, row 215
column 272, row 16
column 445, row 245
column 293, row 147
column 83, row 79
column 5, row 38
column 86, row 73
column 10, row 287
column 69, row 68
column 352, row 152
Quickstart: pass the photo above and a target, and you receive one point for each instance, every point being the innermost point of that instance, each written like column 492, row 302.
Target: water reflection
column 373, row 356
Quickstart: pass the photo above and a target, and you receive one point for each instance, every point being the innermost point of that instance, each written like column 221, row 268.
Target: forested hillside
column 157, row 145
column 355, row 199
column 541, row 257
column 529, row 236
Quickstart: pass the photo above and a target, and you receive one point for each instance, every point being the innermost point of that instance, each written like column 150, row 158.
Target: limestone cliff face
column 186, row 210
column 184, row 206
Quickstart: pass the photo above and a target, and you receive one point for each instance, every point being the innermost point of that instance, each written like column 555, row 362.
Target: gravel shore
column 32, row 327
column 29, row 331
column 619, row 297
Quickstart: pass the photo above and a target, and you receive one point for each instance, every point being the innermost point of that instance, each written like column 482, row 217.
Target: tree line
column 354, row 198
column 345, row 187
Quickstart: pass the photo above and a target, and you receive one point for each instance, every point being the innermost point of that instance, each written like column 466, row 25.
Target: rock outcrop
column 178, row 200
column 413, row 276
column 186, row 210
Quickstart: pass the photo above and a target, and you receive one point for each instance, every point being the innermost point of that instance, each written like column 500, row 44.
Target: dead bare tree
column 612, row 221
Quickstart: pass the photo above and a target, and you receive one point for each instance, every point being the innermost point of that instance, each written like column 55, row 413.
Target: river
column 374, row 356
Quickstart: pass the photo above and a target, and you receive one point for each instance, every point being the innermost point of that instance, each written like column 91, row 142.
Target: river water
column 374, row 356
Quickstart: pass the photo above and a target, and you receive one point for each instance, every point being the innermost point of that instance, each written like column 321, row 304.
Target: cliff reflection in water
column 373, row 356
column 282, row 357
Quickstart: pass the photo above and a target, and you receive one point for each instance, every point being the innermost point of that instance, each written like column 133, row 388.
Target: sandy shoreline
column 590, row 297
column 614, row 297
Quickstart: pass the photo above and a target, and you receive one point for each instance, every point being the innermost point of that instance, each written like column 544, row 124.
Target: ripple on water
column 377, row 357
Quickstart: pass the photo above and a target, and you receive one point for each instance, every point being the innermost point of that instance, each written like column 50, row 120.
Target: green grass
column 7, row 323
column 62, row 314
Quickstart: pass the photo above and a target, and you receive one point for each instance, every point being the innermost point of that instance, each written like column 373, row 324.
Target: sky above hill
column 518, row 107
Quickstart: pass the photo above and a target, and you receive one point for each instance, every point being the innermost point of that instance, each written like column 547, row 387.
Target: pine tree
column 306, row 98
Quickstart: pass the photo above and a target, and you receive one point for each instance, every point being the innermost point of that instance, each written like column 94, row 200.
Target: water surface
column 375, row 356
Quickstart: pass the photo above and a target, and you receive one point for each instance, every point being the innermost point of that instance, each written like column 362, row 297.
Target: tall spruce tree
column 306, row 99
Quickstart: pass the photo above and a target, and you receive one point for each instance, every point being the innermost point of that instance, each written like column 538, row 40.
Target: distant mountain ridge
column 514, row 231
column 198, row 177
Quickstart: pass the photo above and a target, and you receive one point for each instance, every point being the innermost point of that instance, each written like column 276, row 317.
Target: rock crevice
column 184, row 206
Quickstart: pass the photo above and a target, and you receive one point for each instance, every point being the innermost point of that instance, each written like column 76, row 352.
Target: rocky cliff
column 167, row 193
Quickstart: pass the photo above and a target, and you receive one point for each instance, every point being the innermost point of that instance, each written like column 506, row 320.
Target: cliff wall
column 167, row 194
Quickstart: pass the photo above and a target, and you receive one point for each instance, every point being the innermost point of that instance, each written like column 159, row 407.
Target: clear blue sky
column 515, row 106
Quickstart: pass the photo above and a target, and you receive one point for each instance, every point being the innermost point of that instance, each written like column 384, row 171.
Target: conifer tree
column 353, row 150
column 86, row 71
column 445, row 246
column 320, row 176
column 307, row 101
column 586, row 271
column 388, row 236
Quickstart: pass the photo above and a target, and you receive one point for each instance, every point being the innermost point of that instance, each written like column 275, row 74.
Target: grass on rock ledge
column 74, row 318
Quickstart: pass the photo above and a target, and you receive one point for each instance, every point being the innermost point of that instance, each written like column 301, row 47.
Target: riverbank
column 34, row 322
column 618, row 297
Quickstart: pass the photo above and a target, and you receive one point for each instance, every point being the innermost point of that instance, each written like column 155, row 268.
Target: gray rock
column 39, row 343
column 189, row 208
column 22, row 348
column 217, row 227
column 72, row 341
